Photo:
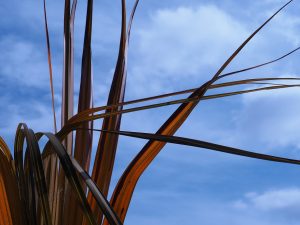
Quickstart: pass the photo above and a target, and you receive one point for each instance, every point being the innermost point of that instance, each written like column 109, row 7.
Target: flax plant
column 50, row 184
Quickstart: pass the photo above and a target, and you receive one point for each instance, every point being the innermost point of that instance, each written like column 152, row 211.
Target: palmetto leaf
column 226, row 84
column 66, row 111
column 50, row 66
column 70, row 165
column 76, row 124
column 32, row 182
column 83, row 115
column 71, row 175
column 68, row 76
column 205, row 145
column 36, row 174
column 99, row 197
column 11, row 212
column 49, row 164
column 83, row 139
column 96, row 109
column 107, row 146
column 67, row 103
column 260, row 65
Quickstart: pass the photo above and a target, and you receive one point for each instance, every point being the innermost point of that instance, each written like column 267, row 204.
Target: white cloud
column 288, row 27
column 178, row 45
column 270, row 119
column 282, row 201
column 277, row 199
column 23, row 62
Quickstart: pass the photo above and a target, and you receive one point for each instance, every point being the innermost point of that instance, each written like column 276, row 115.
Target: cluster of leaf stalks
column 48, row 184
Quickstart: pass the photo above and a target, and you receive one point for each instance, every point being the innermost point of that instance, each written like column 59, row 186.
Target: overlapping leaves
column 49, row 185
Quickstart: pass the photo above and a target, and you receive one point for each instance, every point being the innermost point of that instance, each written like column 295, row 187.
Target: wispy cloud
column 270, row 119
column 22, row 63
column 182, row 45
column 279, row 205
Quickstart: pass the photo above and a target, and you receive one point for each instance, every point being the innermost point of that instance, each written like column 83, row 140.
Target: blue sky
column 175, row 45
